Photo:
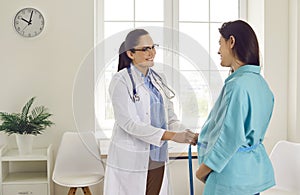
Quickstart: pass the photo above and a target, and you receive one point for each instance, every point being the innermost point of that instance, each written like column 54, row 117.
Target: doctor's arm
column 203, row 172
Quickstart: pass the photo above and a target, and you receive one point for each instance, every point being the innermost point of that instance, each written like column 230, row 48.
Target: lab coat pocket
column 127, row 157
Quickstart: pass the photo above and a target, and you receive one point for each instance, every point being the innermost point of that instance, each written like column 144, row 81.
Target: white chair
column 78, row 162
column 285, row 158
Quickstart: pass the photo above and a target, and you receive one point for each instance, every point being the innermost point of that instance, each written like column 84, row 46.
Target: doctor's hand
column 185, row 136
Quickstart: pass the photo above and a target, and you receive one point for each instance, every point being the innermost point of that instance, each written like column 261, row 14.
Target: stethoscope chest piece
column 136, row 98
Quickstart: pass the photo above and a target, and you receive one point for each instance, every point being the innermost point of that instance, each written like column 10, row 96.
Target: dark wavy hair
column 131, row 40
column 246, row 46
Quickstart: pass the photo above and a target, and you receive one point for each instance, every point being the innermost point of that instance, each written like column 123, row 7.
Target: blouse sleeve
column 230, row 123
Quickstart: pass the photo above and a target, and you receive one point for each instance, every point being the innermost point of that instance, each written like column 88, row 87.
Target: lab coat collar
column 137, row 75
column 245, row 68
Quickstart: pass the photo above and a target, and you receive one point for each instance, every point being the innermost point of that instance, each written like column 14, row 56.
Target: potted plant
column 26, row 124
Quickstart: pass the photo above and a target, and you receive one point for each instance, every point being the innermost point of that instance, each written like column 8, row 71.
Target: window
column 186, row 30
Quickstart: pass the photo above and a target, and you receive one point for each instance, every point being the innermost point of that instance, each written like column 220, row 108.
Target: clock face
column 29, row 22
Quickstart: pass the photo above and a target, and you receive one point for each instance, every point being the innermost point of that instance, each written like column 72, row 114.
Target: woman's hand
column 203, row 172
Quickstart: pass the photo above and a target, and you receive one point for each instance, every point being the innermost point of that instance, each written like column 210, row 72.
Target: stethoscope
column 135, row 97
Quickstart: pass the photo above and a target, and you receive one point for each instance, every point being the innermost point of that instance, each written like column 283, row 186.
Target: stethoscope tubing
column 135, row 97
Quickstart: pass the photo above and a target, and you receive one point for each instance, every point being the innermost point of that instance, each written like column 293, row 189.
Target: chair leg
column 86, row 190
column 72, row 191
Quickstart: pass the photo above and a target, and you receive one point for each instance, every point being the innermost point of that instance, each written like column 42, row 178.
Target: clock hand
column 30, row 19
column 28, row 22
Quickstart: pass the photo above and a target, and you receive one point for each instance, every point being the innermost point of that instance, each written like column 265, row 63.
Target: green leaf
column 24, row 123
column 26, row 108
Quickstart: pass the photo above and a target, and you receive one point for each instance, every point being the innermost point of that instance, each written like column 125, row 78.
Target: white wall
column 294, row 71
column 46, row 66
column 276, row 28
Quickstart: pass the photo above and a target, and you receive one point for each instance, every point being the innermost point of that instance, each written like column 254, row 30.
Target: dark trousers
column 155, row 177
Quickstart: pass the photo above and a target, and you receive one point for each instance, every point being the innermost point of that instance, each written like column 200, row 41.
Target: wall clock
column 29, row 22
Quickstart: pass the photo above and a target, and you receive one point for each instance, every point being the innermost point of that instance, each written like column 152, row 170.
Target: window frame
column 171, row 20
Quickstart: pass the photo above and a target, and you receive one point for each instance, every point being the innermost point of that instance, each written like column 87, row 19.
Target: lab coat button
column 147, row 113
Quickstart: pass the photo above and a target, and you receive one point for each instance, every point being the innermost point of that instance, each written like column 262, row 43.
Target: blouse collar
column 245, row 68
column 139, row 72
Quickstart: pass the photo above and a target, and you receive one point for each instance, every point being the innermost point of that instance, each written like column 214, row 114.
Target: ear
column 130, row 54
column 232, row 41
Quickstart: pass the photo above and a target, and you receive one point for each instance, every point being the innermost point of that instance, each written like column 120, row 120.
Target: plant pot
column 24, row 143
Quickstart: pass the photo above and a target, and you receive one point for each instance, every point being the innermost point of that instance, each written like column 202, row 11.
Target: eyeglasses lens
column 147, row 49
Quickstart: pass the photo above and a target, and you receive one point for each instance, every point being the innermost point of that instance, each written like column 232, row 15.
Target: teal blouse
column 231, row 140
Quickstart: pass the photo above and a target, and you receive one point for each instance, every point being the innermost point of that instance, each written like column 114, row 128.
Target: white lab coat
column 128, row 155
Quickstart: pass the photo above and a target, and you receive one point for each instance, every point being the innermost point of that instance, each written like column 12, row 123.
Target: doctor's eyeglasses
column 145, row 49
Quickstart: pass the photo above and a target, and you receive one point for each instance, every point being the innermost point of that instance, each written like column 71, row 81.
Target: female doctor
column 144, row 120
